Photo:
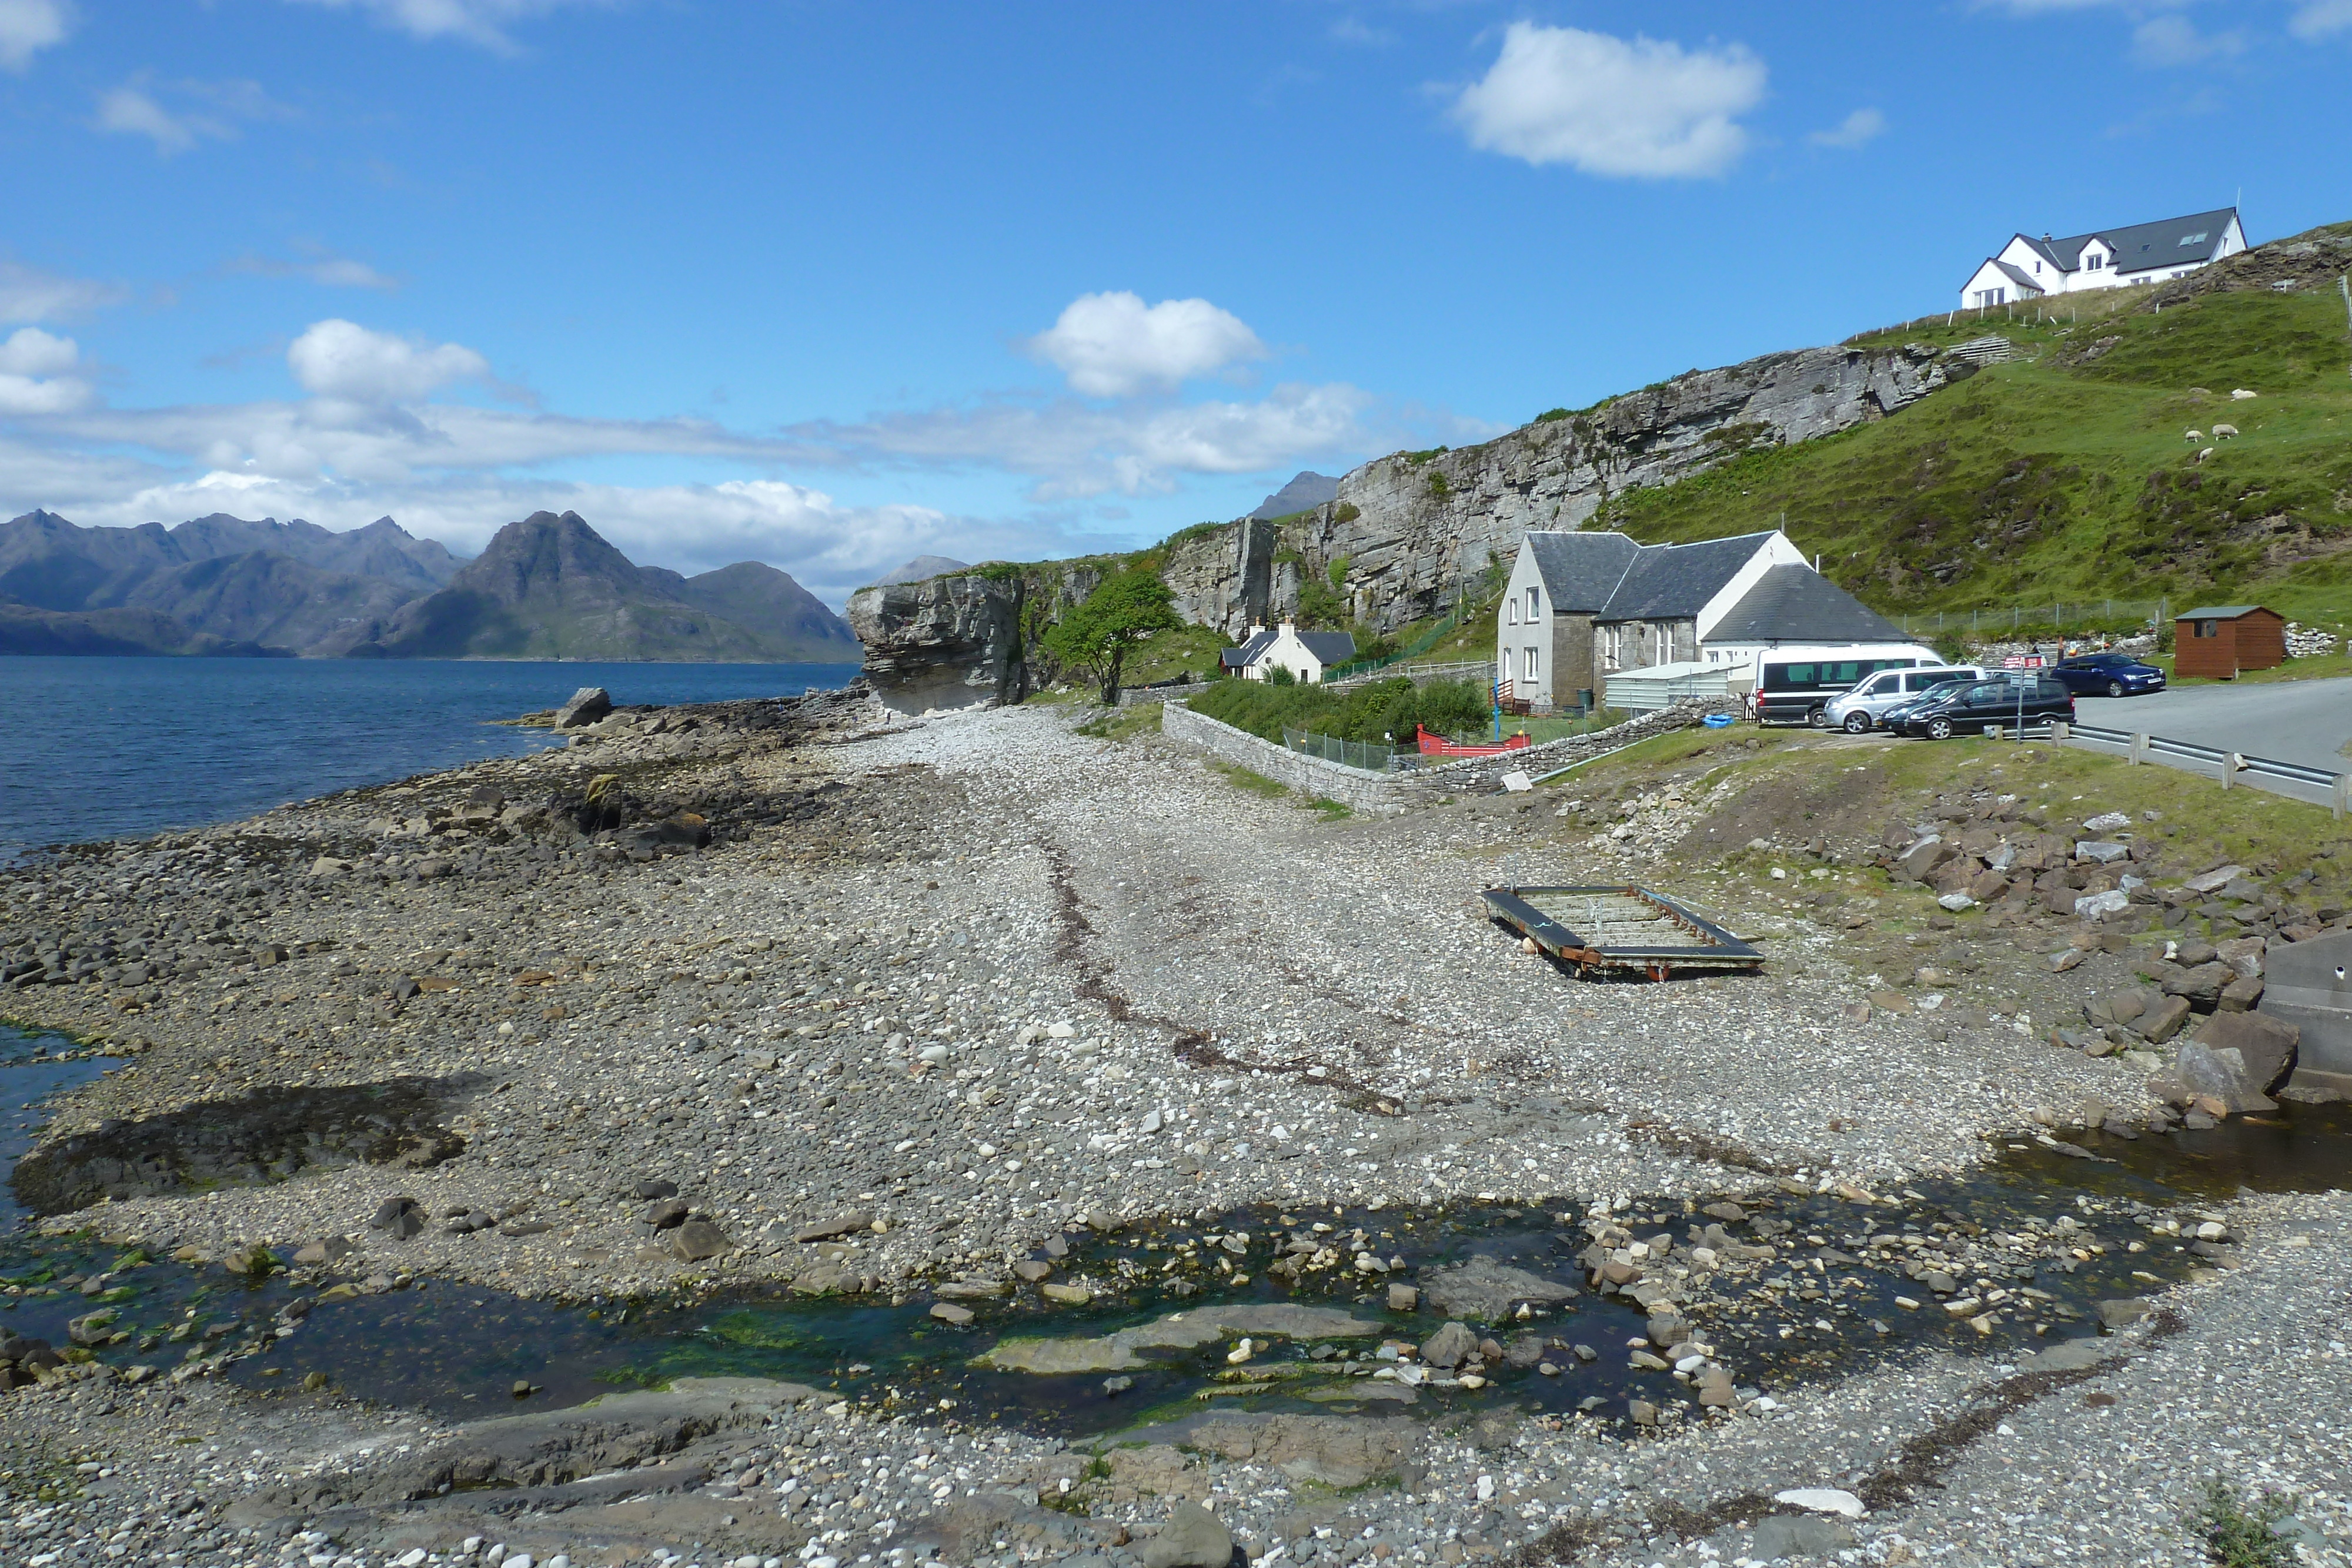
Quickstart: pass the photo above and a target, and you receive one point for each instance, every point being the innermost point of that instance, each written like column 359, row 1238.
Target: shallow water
column 102, row 749
column 460, row 1349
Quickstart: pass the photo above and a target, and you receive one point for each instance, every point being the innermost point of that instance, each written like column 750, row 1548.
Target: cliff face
column 1414, row 534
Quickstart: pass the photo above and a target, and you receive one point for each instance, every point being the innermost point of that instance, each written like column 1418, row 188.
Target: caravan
column 1795, row 685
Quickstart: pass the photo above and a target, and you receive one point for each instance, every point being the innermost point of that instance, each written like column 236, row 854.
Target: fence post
column 2230, row 762
column 2342, row 795
column 2138, row 753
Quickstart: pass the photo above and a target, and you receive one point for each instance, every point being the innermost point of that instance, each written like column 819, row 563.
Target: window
column 1535, row 603
column 1529, row 662
column 2208, row 628
column 2198, row 238
column 1512, row 612
column 1990, row 297
column 2093, row 262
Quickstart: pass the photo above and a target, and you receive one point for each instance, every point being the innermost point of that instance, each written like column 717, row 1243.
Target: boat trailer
column 1619, row 930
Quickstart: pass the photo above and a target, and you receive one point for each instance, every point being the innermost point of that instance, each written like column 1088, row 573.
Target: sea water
column 108, row 747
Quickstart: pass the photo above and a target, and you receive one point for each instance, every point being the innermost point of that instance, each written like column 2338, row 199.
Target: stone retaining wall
column 1359, row 789
column 1383, row 794
column 1132, row 696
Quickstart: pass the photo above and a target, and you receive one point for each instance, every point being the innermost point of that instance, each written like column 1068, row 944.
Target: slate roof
column 2140, row 246
column 1610, row 578
column 1798, row 604
column 1673, row 582
column 1241, row 658
column 2220, row 613
column 1581, row 570
column 2017, row 276
column 1329, row 647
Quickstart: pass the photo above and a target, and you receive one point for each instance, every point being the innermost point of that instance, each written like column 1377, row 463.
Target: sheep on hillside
column 2204, row 454
column 2193, row 435
column 2223, row 432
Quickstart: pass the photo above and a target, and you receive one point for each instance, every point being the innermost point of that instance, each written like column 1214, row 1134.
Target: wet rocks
column 1450, row 1346
column 1487, row 1291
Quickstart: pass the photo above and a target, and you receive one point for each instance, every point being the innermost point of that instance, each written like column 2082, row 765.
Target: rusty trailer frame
column 1616, row 928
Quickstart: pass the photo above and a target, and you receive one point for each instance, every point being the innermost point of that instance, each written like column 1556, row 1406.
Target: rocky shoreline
column 805, row 997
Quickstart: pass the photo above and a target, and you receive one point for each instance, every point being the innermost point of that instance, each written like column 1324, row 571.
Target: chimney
column 1289, row 626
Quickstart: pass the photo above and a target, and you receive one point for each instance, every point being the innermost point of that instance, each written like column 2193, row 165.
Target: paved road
column 2308, row 722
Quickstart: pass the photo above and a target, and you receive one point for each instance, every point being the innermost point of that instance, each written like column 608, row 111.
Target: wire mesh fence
column 2092, row 614
column 1371, row 755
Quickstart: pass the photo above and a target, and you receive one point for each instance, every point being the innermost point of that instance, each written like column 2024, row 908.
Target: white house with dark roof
column 2027, row 268
column 1305, row 654
column 1582, row 606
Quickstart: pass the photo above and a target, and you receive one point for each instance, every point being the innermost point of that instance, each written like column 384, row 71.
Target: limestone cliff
column 1416, row 531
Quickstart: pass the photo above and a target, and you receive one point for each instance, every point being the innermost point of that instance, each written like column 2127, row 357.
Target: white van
column 1857, row 712
column 1794, row 686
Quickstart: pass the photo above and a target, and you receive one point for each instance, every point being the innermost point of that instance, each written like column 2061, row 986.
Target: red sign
column 2026, row 662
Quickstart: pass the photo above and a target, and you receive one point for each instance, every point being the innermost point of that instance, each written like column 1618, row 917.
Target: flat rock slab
column 1178, row 1330
column 1489, row 1292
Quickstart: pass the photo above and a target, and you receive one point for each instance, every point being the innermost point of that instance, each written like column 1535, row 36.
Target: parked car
column 1966, row 709
column 2116, row 675
column 1858, row 710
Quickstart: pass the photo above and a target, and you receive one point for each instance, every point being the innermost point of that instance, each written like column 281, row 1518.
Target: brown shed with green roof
column 2216, row 641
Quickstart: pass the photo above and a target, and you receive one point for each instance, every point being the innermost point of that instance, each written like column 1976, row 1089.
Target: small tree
column 1121, row 612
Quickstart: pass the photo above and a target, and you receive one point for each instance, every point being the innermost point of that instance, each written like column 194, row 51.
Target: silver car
column 1857, row 711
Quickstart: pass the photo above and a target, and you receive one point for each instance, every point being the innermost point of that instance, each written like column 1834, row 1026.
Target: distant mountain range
column 923, row 568
column 547, row 588
column 1305, row 489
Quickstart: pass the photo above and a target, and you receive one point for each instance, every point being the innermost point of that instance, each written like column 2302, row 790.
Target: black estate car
column 1965, row 710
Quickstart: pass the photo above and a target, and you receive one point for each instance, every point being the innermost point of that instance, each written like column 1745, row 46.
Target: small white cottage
column 1305, row 654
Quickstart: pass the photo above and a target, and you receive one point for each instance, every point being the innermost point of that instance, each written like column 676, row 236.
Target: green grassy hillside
column 2067, row 475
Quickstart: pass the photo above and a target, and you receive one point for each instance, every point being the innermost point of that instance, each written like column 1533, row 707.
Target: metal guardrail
column 2228, row 767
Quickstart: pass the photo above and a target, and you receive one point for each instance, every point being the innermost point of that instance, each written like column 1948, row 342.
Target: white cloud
column 328, row 271
column 2316, row 19
column 1114, row 345
column 1856, row 129
column 36, row 374
column 28, row 293
column 482, row 22
column 339, row 358
column 137, row 108
column 1641, row 109
column 29, row 352
column 130, row 110
column 28, row 26
column 1349, row 30
column 2162, row 41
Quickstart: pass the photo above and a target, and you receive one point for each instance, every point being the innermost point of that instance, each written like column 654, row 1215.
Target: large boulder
column 1192, row 1538
column 2265, row 1046
column 588, row 704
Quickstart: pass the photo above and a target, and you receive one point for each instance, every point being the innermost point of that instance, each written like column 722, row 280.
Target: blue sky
column 829, row 284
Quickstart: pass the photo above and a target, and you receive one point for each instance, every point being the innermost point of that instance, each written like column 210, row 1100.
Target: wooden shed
column 2216, row 641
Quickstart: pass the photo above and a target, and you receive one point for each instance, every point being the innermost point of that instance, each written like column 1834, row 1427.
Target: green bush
column 1550, row 414
column 1380, row 712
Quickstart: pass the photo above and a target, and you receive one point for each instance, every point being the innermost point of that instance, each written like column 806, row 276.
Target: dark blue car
column 2108, row 674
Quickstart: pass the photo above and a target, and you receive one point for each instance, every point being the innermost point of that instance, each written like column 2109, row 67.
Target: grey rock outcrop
column 945, row 642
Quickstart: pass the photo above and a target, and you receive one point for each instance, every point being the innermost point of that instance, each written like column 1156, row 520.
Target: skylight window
column 2198, row 238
